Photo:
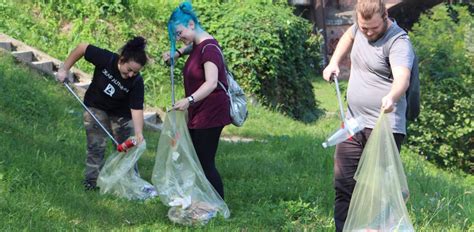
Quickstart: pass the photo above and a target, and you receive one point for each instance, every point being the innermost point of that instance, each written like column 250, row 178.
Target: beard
column 379, row 35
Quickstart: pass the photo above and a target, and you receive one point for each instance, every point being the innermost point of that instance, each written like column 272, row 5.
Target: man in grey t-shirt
column 376, row 83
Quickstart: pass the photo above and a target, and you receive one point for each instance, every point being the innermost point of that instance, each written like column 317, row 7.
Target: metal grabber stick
column 90, row 112
column 334, row 77
column 172, row 81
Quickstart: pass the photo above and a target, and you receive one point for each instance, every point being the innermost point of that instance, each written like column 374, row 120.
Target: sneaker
column 90, row 186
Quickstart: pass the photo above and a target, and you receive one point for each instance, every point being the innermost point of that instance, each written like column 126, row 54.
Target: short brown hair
column 367, row 8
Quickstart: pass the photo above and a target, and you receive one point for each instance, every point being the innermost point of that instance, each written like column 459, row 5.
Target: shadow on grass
column 284, row 183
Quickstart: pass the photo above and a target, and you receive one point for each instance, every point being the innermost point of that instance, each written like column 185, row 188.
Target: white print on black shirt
column 115, row 81
column 109, row 90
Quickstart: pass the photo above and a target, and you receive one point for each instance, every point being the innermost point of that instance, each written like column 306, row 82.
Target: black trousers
column 205, row 143
column 346, row 160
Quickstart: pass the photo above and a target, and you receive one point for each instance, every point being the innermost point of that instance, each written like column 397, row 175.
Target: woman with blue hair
column 208, row 105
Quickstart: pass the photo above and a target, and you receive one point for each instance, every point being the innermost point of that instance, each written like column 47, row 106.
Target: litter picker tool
column 172, row 81
column 338, row 92
column 120, row 147
column 349, row 127
column 173, row 101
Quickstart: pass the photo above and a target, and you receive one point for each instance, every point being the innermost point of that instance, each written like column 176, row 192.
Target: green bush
column 271, row 51
column 444, row 131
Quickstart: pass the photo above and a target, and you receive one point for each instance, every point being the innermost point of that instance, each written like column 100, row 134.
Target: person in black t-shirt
column 115, row 96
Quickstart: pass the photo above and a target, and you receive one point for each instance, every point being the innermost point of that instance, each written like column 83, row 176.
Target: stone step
column 6, row 45
column 44, row 66
column 24, row 56
column 152, row 121
column 12, row 44
column 83, row 85
column 80, row 90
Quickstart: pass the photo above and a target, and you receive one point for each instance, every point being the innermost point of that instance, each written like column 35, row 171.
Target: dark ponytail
column 134, row 50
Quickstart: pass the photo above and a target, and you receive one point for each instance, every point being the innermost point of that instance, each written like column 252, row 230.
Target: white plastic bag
column 179, row 178
column 118, row 176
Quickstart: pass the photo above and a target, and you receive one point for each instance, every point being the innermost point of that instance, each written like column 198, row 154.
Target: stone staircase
column 48, row 65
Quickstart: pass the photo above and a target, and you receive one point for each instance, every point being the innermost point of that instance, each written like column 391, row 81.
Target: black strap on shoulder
column 388, row 45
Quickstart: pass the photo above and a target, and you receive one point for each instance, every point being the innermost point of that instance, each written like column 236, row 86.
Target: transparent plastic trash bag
column 179, row 178
column 381, row 191
column 118, row 176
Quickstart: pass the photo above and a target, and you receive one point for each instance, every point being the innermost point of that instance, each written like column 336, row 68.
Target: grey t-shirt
column 370, row 78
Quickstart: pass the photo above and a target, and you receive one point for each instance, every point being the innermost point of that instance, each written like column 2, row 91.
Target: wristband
column 190, row 99
column 179, row 53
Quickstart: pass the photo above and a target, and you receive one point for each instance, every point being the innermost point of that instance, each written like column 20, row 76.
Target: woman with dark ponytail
column 115, row 96
column 207, row 103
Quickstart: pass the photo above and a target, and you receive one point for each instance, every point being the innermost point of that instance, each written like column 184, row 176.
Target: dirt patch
column 238, row 139
column 66, row 27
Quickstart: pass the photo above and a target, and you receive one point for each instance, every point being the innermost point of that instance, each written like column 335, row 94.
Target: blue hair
column 180, row 16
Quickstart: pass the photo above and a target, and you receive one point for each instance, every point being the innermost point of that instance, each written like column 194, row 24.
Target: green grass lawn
column 280, row 182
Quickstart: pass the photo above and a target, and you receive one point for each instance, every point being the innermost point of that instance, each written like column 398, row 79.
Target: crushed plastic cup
column 149, row 192
column 353, row 125
column 349, row 129
column 184, row 202
column 339, row 136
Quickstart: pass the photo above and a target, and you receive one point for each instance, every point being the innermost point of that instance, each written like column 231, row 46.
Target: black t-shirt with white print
column 108, row 90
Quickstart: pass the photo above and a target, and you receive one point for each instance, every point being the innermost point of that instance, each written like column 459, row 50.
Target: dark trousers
column 205, row 143
column 346, row 159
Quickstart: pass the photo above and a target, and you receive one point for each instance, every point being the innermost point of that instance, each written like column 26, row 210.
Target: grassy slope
column 283, row 183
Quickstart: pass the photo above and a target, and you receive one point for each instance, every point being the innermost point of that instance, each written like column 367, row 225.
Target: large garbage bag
column 179, row 178
column 118, row 176
column 381, row 191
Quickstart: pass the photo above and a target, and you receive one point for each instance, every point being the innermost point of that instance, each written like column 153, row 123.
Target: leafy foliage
column 272, row 52
column 444, row 132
